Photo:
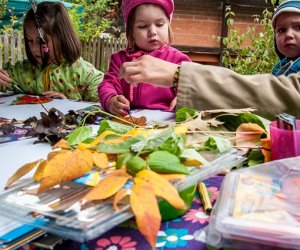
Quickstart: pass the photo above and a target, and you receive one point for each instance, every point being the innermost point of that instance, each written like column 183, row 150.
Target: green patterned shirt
column 78, row 81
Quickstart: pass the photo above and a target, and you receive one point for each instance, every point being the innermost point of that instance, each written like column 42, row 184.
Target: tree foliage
column 253, row 51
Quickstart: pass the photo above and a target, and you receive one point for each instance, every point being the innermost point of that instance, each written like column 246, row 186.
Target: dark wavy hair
column 56, row 23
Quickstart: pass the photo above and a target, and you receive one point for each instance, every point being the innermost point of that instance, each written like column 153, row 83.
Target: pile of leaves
column 151, row 159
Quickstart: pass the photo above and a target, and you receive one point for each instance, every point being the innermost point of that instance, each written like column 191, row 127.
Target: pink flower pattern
column 196, row 216
column 117, row 243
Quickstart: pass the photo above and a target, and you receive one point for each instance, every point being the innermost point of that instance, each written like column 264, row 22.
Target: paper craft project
column 27, row 99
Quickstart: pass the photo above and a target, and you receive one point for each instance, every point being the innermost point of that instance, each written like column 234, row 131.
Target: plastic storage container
column 258, row 206
column 59, row 212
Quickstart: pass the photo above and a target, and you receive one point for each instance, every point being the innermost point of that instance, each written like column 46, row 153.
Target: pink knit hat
column 128, row 5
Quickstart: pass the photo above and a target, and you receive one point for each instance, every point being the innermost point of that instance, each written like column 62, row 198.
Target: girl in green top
column 54, row 67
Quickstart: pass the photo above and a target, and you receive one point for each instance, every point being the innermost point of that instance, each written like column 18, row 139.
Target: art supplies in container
column 259, row 205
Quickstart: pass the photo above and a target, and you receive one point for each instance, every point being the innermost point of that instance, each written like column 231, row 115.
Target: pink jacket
column 144, row 95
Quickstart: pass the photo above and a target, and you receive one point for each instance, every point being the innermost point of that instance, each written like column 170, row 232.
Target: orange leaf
column 145, row 208
column 21, row 172
column 64, row 167
column 141, row 121
column 40, row 170
column 266, row 148
column 61, row 144
column 251, row 138
column 100, row 160
column 108, row 186
column 161, row 187
column 173, row 177
column 119, row 196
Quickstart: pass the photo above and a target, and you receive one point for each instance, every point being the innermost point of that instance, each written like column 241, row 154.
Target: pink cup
column 284, row 143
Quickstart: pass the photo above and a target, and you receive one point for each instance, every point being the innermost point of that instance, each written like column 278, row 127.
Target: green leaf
column 174, row 144
column 113, row 126
column 79, row 135
column 135, row 164
column 255, row 157
column 231, row 122
column 217, row 144
column 118, row 148
column 122, row 160
column 185, row 113
column 166, row 163
column 191, row 153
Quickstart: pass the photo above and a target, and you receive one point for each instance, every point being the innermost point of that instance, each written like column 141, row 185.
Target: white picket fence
column 97, row 51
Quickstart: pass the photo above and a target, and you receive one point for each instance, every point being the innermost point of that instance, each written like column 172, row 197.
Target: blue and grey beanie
column 286, row 6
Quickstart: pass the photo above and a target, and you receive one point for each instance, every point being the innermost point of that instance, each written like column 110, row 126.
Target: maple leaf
column 145, row 208
column 248, row 135
column 140, row 121
column 200, row 124
column 65, row 166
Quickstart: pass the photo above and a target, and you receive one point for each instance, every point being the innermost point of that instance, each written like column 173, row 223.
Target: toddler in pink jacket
column 148, row 32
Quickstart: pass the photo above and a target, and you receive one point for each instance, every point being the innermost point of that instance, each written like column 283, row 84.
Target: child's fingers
column 173, row 103
column 4, row 77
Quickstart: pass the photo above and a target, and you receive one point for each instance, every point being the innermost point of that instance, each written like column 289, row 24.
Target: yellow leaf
column 62, row 144
column 119, row 196
column 40, row 170
column 248, row 135
column 100, row 160
column 96, row 141
column 191, row 162
column 161, row 187
column 64, row 167
column 21, row 172
column 182, row 129
column 173, row 177
column 108, row 186
column 144, row 206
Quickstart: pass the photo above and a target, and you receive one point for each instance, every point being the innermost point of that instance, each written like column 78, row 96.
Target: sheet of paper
column 22, row 112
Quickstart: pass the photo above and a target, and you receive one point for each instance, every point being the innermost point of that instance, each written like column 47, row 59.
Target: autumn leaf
column 121, row 194
column 108, row 186
column 248, row 135
column 100, row 160
column 161, row 188
column 266, row 148
column 64, row 167
column 21, row 172
column 62, row 143
column 40, row 170
column 145, row 208
column 140, row 121
column 173, row 177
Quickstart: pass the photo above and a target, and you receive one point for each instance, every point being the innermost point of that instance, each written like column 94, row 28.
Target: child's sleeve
column 92, row 77
column 111, row 84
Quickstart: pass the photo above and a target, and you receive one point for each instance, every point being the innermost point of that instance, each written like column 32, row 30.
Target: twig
column 221, row 132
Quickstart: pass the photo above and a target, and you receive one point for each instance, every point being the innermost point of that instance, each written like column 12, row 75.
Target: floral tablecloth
column 180, row 233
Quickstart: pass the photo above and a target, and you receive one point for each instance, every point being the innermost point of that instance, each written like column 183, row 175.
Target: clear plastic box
column 58, row 211
column 258, row 206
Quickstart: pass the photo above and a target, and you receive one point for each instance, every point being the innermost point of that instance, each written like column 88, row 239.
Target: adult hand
column 4, row 77
column 148, row 69
column 54, row 94
column 118, row 105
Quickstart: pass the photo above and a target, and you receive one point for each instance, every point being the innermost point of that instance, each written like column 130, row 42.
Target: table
column 184, row 232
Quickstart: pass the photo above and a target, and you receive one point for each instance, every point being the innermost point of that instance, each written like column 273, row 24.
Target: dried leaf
column 162, row 188
column 173, row 177
column 64, row 167
column 244, row 140
column 100, row 160
column 145, row 208
column 140, row 121
column 108, row 186
column 120, row 196
column 21, row 172
column 200, row 124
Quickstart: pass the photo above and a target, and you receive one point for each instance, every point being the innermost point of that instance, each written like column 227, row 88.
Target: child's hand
column 173, row 103
column 4, row 77
column 118, row 105
column 54, row 94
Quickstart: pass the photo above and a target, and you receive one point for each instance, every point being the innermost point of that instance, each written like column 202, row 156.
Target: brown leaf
column 66, row 166
column 201, row 124
column 108, row 186
column 161, row 187
column 140, row 121
column 100, row 160
column 145, row 208
column 251, row 137
column 21, row 172
column 40, row 170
